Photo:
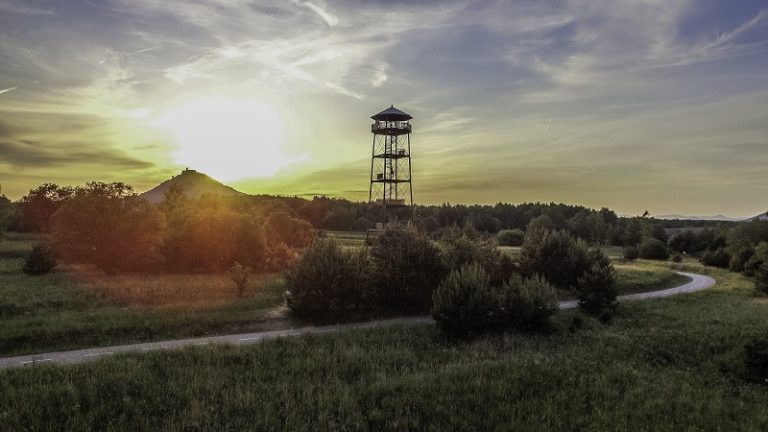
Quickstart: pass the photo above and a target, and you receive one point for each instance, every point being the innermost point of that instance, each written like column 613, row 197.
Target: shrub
column 329, row 283
column 717, row 258
column 596, row 291
column 740, row 258
column 510, row 237
column 528, row 303
column 280, row 256
column 761, row 278
column 556, row 256
column 463, row 250
column 465, row 302
column 760, row 255
column 654, row 249
column 677, row 257
column 631, row 253
column 239, row 275
column 407, row 267
column 756, row 359
column 40, row 261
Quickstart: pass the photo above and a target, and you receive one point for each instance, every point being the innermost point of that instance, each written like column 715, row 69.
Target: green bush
column 761, row 278
column 739, row 259
column 40, row 261
column 716, row 258
column 654, row 249
column 465, row 302
column 329, row 283
column 557, row 256
column 758, row 257
column 677, row 257
column 407, row 269
column 510, row 237
column 631, row 253
column 463, row 250
column 756, row 359
column 528, row 303
column 596, row 291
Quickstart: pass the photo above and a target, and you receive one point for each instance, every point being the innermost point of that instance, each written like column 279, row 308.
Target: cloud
column 32, row 154
column 9, row 89
column 329, row 18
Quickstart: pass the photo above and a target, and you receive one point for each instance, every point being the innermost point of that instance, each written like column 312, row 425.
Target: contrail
column 144, row 50
column 9, row 89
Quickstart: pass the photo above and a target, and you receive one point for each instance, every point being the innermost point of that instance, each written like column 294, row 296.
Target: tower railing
column 394, row 128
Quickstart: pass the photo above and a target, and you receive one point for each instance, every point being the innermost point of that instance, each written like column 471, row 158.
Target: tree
column 110, row 226
column 41, row 203
column 6, row 213
column 282, row 227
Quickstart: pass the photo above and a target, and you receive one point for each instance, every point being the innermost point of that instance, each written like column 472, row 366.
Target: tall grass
column 662, row 365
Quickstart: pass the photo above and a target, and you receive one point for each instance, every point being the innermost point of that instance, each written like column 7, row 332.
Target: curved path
column 698, row 282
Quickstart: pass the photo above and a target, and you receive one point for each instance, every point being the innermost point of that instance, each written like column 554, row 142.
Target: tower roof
column 392, row 114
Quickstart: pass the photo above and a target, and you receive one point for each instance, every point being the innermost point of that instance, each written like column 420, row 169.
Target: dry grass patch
column 170, row 290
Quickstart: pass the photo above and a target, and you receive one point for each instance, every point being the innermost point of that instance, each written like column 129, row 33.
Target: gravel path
column 698, row 282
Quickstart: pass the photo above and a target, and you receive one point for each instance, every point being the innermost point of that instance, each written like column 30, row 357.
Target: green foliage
column 39, row 205
column 239, row 275
column 527, row 304
column 677, row 257
column 557, row 256
column 328, row 283
column 40, row 260
column 109, row 226
column 463, row 250
column 510, row 237
column 631, row 253
column 596, row 290
column 761, row 278
column 740, row 258
column 282, row 227
column 465, row 303
column 210, row 238
column 6, row 213
column 756, row 359
column 653, row 248
column 758, row 257
column 716, row 258
column 408, row 267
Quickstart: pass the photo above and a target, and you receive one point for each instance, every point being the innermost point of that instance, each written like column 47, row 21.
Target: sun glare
column 227, row 139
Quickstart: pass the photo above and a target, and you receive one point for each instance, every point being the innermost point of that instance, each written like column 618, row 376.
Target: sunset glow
column 227, row 139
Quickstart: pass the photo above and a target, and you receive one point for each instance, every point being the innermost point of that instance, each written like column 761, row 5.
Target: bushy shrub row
column 466, row 302
column 403, row 270
column 571, row 265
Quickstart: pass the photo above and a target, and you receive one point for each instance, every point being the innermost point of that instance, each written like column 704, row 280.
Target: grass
column 80, row 309
column 666, row 364
column 84, row 308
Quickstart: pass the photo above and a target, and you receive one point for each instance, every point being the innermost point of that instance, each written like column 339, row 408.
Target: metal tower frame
column 391, row 186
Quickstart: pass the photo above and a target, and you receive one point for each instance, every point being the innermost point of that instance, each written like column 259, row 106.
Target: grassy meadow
column 669, row 364
column 80, row 307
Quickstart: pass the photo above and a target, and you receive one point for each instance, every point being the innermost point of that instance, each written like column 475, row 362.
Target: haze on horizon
column 633, row 105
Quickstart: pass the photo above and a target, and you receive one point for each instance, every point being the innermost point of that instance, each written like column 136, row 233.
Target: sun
column 227, row 139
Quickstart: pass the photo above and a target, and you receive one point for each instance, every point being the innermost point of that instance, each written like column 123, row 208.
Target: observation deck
column 391, row 127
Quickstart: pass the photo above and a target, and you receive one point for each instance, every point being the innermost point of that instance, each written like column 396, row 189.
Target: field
column 668, row 364
column 84, row 308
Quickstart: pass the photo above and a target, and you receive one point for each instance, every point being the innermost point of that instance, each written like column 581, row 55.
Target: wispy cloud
column 9, row 89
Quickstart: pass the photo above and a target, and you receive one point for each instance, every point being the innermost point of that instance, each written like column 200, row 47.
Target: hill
column 762, row 217
column 193, row 183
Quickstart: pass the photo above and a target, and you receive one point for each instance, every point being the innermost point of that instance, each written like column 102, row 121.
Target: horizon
column 653, row 106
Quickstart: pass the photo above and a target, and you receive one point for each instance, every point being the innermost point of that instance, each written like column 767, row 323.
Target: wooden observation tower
column 390, row 193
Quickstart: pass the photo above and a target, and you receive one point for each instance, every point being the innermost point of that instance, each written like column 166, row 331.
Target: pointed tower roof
column 392, row 114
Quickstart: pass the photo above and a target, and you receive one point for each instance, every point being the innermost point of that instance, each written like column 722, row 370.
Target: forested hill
column 194, row 185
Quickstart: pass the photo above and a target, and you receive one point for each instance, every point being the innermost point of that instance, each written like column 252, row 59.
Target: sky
column 635, row 105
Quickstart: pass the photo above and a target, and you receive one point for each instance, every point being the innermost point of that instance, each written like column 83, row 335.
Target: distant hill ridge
column 193, row 183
